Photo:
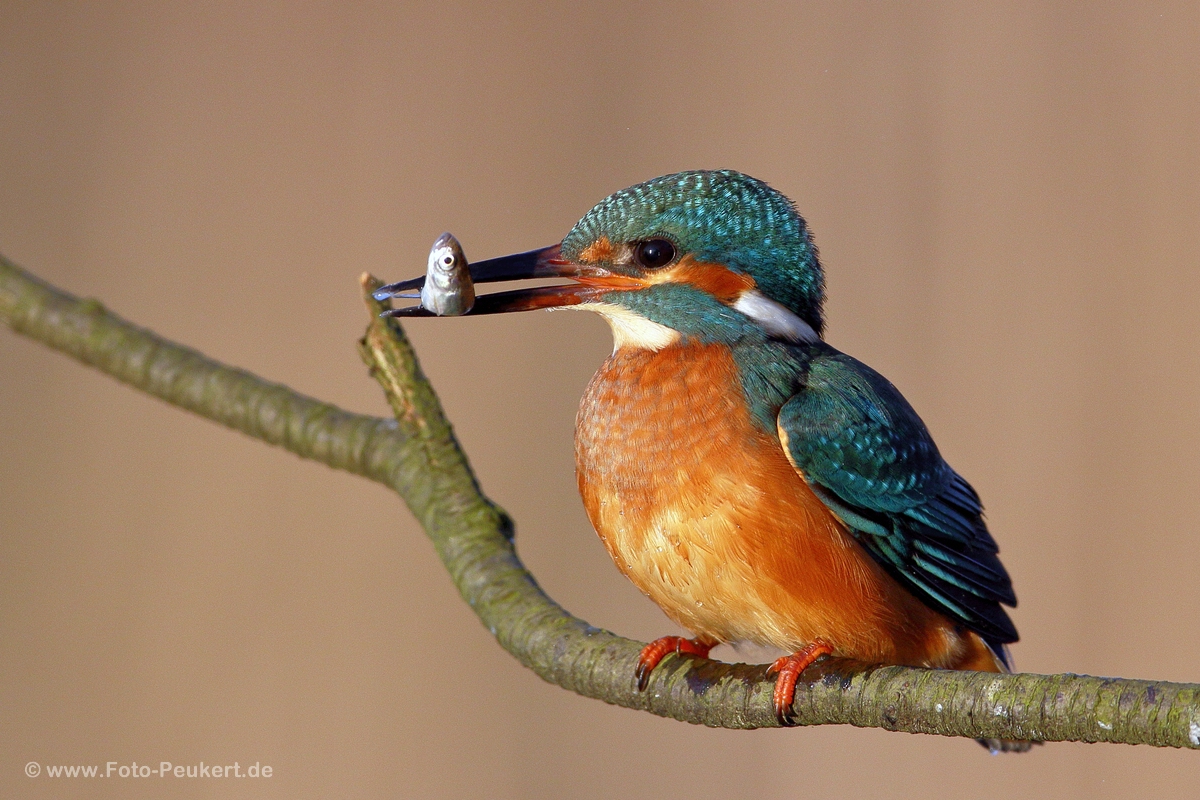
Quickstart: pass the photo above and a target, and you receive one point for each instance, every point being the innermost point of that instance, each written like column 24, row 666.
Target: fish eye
column 447, row 260
column 654, row 253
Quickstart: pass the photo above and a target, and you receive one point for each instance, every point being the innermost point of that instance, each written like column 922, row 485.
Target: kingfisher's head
column 695, row 255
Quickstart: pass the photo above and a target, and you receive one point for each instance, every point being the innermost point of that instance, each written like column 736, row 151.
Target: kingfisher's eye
column 654, row 253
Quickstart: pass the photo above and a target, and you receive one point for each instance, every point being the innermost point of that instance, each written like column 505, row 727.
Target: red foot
column 659, row 648
column 789, row 669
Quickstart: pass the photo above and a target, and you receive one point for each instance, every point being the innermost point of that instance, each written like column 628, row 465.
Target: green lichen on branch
column 417, row 456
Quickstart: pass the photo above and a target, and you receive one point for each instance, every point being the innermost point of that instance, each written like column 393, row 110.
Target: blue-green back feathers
column 867, row 456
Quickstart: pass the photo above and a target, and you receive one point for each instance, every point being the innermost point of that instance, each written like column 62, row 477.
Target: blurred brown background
column 1007, row 199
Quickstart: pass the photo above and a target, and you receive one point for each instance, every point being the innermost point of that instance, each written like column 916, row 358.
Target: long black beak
column 543, row 263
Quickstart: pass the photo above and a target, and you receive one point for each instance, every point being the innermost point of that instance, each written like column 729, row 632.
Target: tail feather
column 995, row 746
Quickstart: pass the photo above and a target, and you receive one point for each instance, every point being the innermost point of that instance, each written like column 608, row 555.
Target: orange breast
column 703, row 512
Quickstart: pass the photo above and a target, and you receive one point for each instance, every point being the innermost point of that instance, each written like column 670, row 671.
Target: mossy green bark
column 416, row 455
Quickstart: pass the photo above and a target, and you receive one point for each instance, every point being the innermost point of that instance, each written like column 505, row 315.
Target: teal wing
column 867, row 456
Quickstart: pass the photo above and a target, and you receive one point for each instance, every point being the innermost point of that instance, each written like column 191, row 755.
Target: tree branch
column 417, row 456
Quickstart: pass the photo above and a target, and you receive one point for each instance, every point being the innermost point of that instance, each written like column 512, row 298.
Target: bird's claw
column 789, row 669
column 657, row 650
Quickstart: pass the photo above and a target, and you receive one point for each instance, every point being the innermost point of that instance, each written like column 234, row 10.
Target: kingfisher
column 753, row 481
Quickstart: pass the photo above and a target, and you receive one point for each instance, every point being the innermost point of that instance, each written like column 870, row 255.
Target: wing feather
column 868, row 456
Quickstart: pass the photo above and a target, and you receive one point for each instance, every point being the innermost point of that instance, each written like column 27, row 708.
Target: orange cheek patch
column 721, row 282
column 599, row 250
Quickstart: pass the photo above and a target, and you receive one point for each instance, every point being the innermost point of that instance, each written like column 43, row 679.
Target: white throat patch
column 630, row 329
column 774, row 318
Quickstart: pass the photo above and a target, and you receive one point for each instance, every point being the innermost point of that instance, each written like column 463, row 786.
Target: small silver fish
column 448, row 290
